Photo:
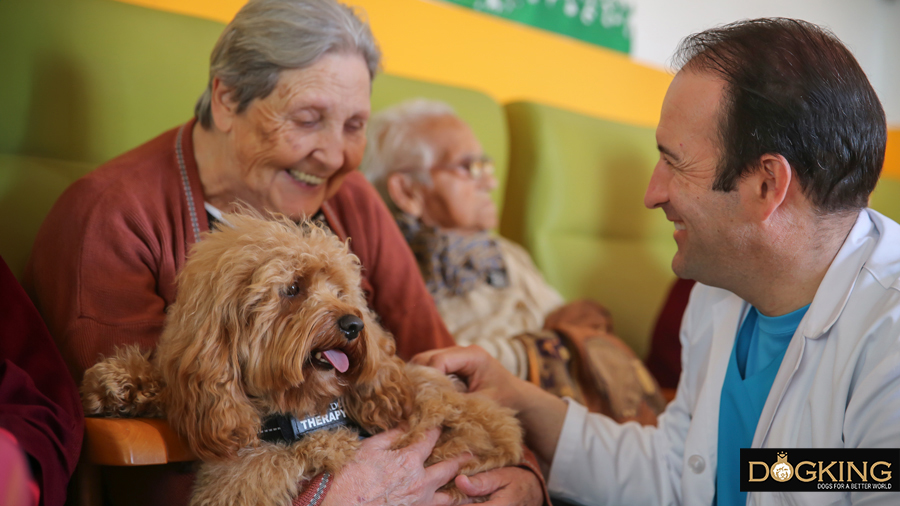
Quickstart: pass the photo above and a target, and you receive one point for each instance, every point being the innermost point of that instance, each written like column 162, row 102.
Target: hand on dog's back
column 381, row 475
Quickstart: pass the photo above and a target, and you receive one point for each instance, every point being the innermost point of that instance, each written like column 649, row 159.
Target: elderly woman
column 280, row 127
column 430, row 168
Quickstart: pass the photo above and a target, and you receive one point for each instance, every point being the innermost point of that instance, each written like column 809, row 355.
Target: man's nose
column 657, row 191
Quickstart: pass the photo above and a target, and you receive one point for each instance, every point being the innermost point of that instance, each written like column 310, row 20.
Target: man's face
column 455, row 199
column 709, row 228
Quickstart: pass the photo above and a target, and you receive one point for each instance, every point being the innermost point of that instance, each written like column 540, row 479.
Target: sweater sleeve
column 103, row 266
column 39, row 403
column 95, row 276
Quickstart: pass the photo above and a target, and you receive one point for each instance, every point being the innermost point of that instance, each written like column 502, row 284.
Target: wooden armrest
column 133, row 442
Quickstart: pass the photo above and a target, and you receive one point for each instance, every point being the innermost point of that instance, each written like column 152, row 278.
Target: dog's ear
column 205, row 400
column 383, row 396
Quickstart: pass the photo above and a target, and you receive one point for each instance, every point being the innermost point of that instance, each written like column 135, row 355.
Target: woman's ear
column 222, row 105
column 406, row 193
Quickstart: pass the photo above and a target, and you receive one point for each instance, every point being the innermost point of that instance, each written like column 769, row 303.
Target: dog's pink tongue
column 338, row 359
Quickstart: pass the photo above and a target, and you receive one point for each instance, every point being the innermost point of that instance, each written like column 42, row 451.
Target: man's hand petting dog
column 379, row 475
column 481, row 372
column 542, row 414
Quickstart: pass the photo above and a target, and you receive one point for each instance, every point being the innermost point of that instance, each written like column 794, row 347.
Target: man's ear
column 222, row 105
column 769, row 185
column 406, row 193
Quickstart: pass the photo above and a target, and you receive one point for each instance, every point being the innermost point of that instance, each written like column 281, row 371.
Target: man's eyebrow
column 668, row 152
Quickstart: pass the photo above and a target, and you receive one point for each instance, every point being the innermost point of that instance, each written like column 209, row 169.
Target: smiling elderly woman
column 280, row 127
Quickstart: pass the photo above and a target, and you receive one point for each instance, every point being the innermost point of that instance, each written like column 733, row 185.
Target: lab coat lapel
column 727, row 316
column 827, row 305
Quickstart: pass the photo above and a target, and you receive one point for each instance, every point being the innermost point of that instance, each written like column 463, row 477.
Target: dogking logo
column 820, row 469
column 782, row 471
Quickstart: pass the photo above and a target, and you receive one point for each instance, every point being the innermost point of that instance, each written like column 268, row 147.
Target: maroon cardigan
column 39, row 402
column 103, row 268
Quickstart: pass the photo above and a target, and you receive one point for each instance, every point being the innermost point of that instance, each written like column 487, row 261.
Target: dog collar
column 288, row 428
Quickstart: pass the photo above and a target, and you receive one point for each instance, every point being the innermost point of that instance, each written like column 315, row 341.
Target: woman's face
column 294, row 147
column 455, row 199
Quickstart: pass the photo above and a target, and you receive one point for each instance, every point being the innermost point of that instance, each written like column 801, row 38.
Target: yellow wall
column 444, row 43
column 892, row 157
column 452, row 45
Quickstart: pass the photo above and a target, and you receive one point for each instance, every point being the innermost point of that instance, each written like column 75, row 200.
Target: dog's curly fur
column 256, row 302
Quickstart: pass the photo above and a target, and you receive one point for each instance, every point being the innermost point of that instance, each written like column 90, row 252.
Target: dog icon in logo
column 782, row 470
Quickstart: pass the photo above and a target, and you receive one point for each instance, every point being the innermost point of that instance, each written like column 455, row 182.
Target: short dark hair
column 793, row 89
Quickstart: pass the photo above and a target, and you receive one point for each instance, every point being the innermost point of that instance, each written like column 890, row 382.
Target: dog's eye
column 293, row 290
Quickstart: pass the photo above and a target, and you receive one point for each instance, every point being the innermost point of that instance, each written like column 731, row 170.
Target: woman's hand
column 384, row 477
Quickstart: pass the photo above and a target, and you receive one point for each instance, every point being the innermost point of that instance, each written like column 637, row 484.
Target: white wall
column 870, row 28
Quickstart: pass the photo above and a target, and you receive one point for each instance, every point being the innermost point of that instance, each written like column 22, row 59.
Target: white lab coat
column 838, row 386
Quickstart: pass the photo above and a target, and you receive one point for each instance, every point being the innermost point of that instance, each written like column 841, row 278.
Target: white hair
column 268, row 36
column 394, row 146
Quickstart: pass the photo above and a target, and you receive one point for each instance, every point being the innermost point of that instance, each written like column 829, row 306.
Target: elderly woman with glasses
column 431, row 171
column 429, row 167
column 280, row 128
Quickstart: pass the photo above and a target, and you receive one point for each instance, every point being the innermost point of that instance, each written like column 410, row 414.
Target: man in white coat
column 771, row 140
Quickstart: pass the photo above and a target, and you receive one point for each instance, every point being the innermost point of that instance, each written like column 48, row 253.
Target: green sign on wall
column 601, row 22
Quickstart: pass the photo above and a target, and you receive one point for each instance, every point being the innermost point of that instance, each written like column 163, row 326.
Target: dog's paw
column 125, row 385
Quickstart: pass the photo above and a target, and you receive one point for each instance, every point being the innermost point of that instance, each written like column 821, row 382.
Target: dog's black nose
column 350, row 325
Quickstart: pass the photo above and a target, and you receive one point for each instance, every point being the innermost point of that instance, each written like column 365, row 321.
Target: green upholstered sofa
column 575, row 200
column 886, row 198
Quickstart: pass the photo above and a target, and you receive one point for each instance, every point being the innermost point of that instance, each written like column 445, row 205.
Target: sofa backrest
column 575, row 200
column 87, row 80
column 83, row 81
column 886, row 198
column 28, row 188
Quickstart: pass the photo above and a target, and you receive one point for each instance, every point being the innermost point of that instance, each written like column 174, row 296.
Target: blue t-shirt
column 755, row 360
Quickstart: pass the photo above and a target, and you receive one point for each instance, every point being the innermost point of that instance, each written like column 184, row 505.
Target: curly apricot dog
column 271, row 336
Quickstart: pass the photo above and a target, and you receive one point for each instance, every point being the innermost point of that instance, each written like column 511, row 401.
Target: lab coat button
column 697, row 464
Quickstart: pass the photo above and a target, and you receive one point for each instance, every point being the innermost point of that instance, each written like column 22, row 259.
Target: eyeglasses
column 477, row 168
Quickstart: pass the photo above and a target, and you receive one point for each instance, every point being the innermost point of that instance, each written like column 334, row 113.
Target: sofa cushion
column 28, row 188
column 575, row 201
column 886, row 198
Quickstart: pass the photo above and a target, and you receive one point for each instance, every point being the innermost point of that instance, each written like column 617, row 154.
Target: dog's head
column 269, row 318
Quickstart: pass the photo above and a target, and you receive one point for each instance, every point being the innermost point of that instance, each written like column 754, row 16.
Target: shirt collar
column 837, row 285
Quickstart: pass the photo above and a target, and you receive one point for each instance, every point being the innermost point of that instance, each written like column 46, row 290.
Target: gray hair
column 394, row 146
column 268, row 36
